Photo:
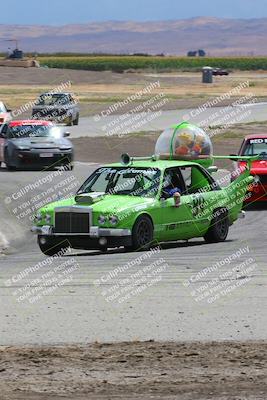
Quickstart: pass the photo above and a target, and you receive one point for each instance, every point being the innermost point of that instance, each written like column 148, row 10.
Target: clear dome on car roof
column 184, row 142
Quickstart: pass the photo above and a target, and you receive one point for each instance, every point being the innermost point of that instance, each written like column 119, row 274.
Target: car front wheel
column 142, row 233
column 7, row 162
column 76, row 121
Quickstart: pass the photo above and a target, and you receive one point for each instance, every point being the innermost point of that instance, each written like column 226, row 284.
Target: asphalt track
column 77, row 311
column 159, row 120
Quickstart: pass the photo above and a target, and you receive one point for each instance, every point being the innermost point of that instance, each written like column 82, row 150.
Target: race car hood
column 104, row 203
column 120, row 203
column 259, row 167
column 41, row 142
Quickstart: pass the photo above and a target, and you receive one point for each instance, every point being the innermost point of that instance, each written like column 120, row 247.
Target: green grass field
column 157, row 63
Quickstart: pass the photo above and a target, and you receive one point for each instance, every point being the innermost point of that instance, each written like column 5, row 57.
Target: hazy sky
column 81, row 11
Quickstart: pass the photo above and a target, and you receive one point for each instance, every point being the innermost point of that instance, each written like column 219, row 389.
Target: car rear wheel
column 219, row 227
column 51, row 246
column 142, row 234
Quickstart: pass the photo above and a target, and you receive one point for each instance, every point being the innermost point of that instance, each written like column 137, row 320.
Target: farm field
column 158, row 63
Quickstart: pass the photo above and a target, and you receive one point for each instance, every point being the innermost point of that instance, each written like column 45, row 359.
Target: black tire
column 76, row 121
column 103, row 249
column 7, row 162
column 51, row 246
column 142, row 234
column 219, row 227
column 68, row 167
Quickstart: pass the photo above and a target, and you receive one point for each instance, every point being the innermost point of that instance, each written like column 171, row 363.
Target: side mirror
column 212, row 169
column 66, row 134
column 232, row 155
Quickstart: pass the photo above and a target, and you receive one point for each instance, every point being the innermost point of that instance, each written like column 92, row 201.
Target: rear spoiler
column 248, row 159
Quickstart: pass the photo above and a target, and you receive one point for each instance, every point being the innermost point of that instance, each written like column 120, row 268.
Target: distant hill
column 216, row 36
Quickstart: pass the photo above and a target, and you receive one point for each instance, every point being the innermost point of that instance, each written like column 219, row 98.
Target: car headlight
column 256, row 178
column 23, row 148
column 65, row 148
column 48, row 218
column 38, row 217
column 113, row 219
column 101, row 219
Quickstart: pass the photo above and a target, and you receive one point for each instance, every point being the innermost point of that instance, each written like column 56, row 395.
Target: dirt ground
column 147, row 370
column 98, row 90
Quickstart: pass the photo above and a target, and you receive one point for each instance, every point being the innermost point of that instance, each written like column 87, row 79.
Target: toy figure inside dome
column 185, row 141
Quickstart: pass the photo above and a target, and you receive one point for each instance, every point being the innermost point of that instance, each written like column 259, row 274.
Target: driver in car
column 172, row 187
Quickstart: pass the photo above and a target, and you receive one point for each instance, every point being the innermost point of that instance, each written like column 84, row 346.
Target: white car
column 5, row 114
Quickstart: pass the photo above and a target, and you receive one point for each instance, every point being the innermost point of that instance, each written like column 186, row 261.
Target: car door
column 3, row 132
column 202, row 196
column 177, row 222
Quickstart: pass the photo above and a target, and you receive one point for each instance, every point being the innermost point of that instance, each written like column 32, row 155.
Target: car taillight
column 237, row 172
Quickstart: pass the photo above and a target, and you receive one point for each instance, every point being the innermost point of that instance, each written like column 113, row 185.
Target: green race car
column 140, row 202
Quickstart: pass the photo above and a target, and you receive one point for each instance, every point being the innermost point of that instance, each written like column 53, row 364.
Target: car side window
column 196, row 181
column 172, row 180
column 4, row 130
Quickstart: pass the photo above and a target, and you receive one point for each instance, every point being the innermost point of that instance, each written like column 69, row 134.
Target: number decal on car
column 198, row 204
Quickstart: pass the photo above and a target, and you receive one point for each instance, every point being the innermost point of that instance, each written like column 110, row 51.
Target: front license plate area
column 46, row 155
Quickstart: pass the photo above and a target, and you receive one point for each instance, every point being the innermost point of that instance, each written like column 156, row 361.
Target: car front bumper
column 95, row 239
column 257, row 193
column 43, row 158
column 60, row 117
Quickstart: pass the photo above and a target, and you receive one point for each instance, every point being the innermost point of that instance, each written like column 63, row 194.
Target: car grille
column 72, row 222
column 51, row 113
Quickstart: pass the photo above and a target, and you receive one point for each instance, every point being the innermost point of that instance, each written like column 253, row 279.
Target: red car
column 253, row 145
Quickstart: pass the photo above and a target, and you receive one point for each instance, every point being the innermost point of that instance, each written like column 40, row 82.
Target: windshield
column 256, row 147
column 22, row 131
column 123, row 181
column 52, row 99
column 2, row 108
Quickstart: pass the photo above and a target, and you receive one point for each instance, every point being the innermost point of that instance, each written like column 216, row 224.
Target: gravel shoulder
column 147, row 370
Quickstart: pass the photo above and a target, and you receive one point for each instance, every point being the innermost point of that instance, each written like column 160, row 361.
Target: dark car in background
column 31, row 144
column 61, row 108
column 219, row 72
